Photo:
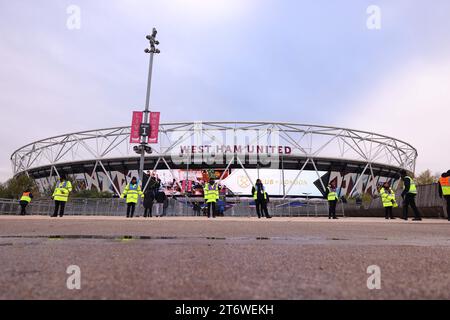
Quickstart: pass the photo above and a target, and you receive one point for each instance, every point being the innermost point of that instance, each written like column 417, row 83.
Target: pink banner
column 154, row 127
column 135, row 126
column 189, row 186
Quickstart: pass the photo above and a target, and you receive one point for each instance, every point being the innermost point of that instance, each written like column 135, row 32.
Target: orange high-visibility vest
column 26, row 197
column 445, row 185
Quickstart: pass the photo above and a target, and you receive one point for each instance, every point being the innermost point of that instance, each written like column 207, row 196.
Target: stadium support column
column 144, row 139
column 282, row 176
column 359, row 179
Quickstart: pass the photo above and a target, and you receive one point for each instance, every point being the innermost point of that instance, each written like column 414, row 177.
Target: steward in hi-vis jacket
column 211, row 195
column 132, row 193
column 388, row 200
column 61, row 195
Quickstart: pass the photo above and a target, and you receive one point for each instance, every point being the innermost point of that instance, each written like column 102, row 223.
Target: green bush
column 365, row 199
column 91, row 194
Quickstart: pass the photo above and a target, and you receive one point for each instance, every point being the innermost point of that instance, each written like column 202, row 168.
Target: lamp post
column 145, row 126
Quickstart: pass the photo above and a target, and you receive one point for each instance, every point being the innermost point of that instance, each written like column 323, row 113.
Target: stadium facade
column 291, row 159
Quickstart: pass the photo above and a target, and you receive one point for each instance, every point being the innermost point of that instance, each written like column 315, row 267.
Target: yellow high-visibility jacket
column 62, row 191
column 332, row 194
column 388, row 198
column 132, row 193
column 26, row 197
column 211, row 192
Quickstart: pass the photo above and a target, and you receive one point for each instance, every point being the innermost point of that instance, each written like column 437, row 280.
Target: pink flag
column 154, row 127
column 135, row 127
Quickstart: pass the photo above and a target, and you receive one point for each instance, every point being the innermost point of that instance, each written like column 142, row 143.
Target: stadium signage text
column 224, row 149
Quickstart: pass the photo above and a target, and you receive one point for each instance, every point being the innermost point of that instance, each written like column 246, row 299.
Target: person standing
column 388, row 200
column 444, row 190
column 149, row 196
column 160, row 200
column 332, row 200
column 211, row 195
column 25, row 199
column 196, row 207
column 61, row 195
column 261, row 199
column 409, row 196
column 132, row 192
column 166, row 204
column 220, row 208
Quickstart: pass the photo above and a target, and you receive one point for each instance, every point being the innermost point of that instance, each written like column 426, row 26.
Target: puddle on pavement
column 295, row 240
column 130, row 237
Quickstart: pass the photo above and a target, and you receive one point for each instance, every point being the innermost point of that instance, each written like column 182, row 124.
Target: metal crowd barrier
column 8, row 206
column 235, row 206
column 182, row 206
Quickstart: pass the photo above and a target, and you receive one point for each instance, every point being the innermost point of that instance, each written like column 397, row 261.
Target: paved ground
column 226, row 258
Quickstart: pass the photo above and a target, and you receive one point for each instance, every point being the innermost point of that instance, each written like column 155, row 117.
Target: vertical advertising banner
column 186, row 187
column 154, row 127
column 135, row 127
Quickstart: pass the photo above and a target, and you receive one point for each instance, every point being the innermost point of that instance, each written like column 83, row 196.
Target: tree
column 3, row 191
column 14, row 187
column 80, row 190
column 426, row 177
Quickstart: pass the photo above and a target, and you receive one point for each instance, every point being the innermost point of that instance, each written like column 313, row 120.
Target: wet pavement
column 223, row 258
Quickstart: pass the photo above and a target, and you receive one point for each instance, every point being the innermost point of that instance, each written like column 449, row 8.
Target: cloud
column 45, row 92
column 411, row 103
column 224, row 60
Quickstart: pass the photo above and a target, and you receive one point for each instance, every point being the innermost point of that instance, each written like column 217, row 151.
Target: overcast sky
column 296, row 61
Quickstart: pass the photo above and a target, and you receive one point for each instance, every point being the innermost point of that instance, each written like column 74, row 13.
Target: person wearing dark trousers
column 444, row 190
column 387, row 196
column 166, row 205
column 149, row 196
column 220, row 208
column 261, row 208
column 197, row 209
column 160, row 198
column 211, row 209
column 132, row 192
column 261, row 198
column 211, row 195
column 409, row 196
column 24, row 201
column 61, row 195
column 332, row 198
column 59, row 207
column 131, row 207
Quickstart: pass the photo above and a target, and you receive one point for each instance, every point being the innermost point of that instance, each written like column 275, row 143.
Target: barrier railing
column 8, row 206
column 174, row 207
column 235, row 206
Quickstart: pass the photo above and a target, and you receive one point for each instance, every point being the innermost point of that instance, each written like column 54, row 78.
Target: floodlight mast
column 144, row 138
